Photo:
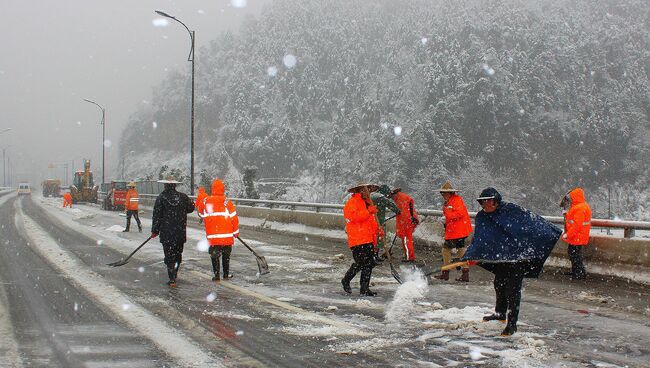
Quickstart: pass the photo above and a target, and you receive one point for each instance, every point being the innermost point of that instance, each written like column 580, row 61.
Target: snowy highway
column 62, row 306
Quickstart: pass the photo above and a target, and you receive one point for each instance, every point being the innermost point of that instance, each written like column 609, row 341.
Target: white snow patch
column 414, row 288
column 8, row 343
column 115, row 228
column 203, row 245
column 231, row 315
column 310, row 330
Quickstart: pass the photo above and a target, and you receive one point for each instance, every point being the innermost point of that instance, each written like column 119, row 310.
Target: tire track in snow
column 168, row 339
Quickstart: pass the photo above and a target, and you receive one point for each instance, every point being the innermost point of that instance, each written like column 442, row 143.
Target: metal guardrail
column 628, row 226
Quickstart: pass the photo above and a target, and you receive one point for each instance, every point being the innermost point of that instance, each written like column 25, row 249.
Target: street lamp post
column 4, row 165
column 190, row 58
column 103, row 133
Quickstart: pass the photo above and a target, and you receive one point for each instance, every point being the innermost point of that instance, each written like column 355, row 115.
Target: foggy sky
column 56, row 53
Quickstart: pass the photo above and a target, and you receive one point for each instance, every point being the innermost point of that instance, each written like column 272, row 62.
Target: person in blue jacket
column 512, row 243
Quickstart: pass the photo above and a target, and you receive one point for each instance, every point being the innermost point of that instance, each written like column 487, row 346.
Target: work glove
column 415, row 221
column 153, row 235
column 372, row 210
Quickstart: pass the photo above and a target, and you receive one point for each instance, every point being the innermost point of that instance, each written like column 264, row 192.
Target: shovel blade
column 262, row 265
column 118, row 263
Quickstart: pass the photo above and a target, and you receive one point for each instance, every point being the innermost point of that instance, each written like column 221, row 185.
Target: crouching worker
column 512, row 243
column 362, row 229
column 221, row 228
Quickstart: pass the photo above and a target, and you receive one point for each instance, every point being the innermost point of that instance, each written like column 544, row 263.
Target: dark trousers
column 223, row 252
column 364, row 262
column 173, row 258
column 575, row 255
column 508, row 279
column 133, row 213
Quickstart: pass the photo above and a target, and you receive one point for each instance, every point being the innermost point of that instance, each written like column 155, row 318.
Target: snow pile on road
column 404, row 301
column 115, row 228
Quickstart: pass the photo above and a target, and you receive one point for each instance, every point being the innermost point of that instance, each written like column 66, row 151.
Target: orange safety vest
column 403, row 223
column 132, row 200
column 577, row 223
column 219, row 216
column 458, row 225
column 360, row 225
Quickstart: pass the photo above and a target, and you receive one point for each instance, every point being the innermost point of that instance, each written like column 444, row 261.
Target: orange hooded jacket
column 360, row 221
column 457, row 222
column 403, row 222
column 131, row 200
column 220, row 217
column 200, row 197
column 577, row 223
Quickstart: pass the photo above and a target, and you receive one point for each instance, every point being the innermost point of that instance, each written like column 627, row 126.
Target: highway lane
column 54, row 324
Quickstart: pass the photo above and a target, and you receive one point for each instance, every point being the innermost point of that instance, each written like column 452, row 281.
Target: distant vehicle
column 115, row 195
column 52, row 188
column 83, row 188
column 24, row 189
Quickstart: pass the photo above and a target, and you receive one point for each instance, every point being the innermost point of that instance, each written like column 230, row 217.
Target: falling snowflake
column 289, row 61
column 126, row 306
column 211, row 297
column 108, row 143
column 424, row 40
column 100, row 242
column 201, row 11
column 154, row 125
column 238, row 3
column 272, row 71
column 239, row 333
column 203, row 245
column 141, row 269
column 76, row 307
column 384, row 125
column 487, row 70
column 397, row 130
column 475, row 353
column 79, row 123
column 160, row 22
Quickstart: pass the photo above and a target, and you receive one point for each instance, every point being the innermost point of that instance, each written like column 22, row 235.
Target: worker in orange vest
column 221, row 228
column 405, row 222
column 200, row 197
column 67, row 200
column 131, row 207
column 458, row 226
column 363, row 229
column 577, row 225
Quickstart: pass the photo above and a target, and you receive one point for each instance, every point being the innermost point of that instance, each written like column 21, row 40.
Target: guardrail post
column 317, row 209
column 628, row 232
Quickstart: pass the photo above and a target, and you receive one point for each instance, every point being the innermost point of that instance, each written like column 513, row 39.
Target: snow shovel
column 124, row 261
column 261, row 261
column 449, row 267
column 393, row 271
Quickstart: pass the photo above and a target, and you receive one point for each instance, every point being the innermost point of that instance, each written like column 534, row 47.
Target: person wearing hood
column 170, row 222
column 512, row 243
column 200, row 197
column 67, row 200
column 405, row 222
column 131, row 207
column 221, row 228
column 577, row 225
column 381, row 200
column 458, row 226
column 362, row 229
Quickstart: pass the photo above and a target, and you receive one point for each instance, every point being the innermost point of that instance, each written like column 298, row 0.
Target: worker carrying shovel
column 221, row 228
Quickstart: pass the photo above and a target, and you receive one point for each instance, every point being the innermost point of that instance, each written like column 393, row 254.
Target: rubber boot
column 444, row 275
column 464, row 277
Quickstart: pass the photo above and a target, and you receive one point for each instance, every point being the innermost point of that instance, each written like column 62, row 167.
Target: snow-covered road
column 299, row 316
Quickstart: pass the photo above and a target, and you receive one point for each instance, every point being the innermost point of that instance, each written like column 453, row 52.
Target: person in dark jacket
column 383, row 203
column 512, row 243
column 170, row 222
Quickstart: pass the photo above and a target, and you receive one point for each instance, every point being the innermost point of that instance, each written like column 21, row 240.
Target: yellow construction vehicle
column 52, row 188
column 83, row 188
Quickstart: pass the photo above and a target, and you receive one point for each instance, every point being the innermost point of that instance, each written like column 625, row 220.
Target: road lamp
column 190, row 58
column 4, row 165
column 103, row 123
